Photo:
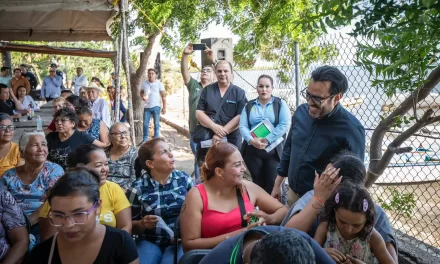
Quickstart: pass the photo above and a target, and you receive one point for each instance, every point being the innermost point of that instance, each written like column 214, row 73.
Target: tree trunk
column 6, row 60
column 379, row 162
column 136, row 78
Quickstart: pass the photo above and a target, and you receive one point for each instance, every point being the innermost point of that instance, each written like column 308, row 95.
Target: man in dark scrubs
column 230, row 100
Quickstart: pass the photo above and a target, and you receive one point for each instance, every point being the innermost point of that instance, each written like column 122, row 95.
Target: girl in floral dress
column 347, row 230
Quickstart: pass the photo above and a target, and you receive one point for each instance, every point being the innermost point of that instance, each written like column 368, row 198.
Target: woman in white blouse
column 25, row 100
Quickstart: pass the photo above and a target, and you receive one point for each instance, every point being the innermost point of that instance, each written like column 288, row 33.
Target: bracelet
column 319, row 199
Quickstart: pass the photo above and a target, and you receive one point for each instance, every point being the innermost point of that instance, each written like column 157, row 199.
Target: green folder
column 261, row 131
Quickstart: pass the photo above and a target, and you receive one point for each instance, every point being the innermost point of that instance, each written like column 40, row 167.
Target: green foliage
column 182, row 21
column 402, row 121
column 402, row 203
column 269, row 29
column 402, row 38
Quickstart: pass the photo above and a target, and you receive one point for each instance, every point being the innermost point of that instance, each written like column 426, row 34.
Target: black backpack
column 276, row 109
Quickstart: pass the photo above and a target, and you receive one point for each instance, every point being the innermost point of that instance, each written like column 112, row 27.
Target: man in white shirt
column 98, row 105
column 153, row 93
column 79, row 80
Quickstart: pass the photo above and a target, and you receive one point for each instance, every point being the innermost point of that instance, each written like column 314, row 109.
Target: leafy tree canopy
column 403, row 38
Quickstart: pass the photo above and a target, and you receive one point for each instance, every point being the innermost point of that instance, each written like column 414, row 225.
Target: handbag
column 202, row 133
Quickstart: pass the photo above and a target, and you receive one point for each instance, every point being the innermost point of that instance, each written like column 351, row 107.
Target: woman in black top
column 75, row 207
column 66, row 138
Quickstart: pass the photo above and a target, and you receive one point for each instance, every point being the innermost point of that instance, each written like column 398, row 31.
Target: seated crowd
column 79, row 192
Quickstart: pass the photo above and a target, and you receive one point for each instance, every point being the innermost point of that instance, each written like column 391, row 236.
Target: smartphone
column 200, row 46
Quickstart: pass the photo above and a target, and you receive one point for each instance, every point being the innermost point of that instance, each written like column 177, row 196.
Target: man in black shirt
column 229, row 100
column 8, row 105
column 33, row 81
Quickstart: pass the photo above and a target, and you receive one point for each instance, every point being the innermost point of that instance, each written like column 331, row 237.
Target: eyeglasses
column 206, row 70
column 78, row 218
column 10, row 127
column 51, row 71
column 61, row 120
column 120, row 134
column 316, row 99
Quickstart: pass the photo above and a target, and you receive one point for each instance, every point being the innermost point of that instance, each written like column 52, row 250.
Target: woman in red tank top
column 218, row 208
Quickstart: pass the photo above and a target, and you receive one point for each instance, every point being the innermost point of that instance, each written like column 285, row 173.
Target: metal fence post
column 297, row 74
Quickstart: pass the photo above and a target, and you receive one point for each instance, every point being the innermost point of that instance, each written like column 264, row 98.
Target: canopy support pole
column 123, row 5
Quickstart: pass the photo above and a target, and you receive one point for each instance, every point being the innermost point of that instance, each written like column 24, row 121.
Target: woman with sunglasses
column 9, row 151
column 121, row 156
column 115, row 208
column 266, row 110
column 76, row 205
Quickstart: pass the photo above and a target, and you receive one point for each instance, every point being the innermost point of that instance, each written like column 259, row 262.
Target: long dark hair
column 81, row 155
column 77, row 101
column 352, row 197
column 77, row 181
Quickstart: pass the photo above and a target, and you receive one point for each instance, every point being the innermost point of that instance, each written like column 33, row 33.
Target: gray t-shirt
column 382, row 225
column 152, row 90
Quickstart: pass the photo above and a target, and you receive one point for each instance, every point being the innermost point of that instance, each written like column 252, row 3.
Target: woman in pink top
column 222, row 205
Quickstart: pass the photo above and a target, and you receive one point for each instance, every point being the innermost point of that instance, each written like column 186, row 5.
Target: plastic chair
column 194, row 256
column 177, row 238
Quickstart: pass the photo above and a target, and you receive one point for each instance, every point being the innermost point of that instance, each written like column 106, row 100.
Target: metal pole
column 67, row 61
column 117, row 99
column 298, row 90
column 127, row 71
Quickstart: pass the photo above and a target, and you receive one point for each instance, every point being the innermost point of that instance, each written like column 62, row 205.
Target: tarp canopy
column 55, row 20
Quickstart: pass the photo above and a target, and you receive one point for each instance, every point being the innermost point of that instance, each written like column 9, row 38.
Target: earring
column 222, row 177
column 97, row 219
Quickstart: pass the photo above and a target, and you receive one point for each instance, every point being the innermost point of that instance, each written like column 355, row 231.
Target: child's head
column 351, row 167
column 350, row 209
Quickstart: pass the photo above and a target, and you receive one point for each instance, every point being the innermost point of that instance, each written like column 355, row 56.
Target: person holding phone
column 277, row 112
column 195, row 88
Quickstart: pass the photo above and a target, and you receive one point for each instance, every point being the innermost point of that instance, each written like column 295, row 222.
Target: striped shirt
column 149, row 197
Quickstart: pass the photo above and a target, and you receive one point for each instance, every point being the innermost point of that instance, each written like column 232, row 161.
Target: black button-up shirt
column 311, row 144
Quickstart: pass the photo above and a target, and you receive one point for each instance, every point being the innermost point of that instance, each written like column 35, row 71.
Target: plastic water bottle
column 39, row 124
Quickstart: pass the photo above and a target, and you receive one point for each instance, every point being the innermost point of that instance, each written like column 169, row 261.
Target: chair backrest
column 177, row 228
column 193, row 256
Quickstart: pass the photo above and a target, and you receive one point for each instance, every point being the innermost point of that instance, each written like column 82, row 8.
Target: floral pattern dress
column 356, row 247
column 121, row 171
column 31, row 197
column 94, row 129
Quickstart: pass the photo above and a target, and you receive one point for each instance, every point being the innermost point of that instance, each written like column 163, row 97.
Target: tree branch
column 433, row 120
column 147, row 53
column 416, row 96
column 394, row 147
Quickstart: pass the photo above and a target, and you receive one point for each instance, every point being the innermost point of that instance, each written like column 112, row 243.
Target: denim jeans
column 193, row 146
column 150, row 253
column 155, row 111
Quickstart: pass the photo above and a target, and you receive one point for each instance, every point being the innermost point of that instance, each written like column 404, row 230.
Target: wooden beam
column 6, row 46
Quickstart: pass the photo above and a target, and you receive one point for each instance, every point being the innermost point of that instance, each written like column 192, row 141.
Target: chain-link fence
column 408, row 190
